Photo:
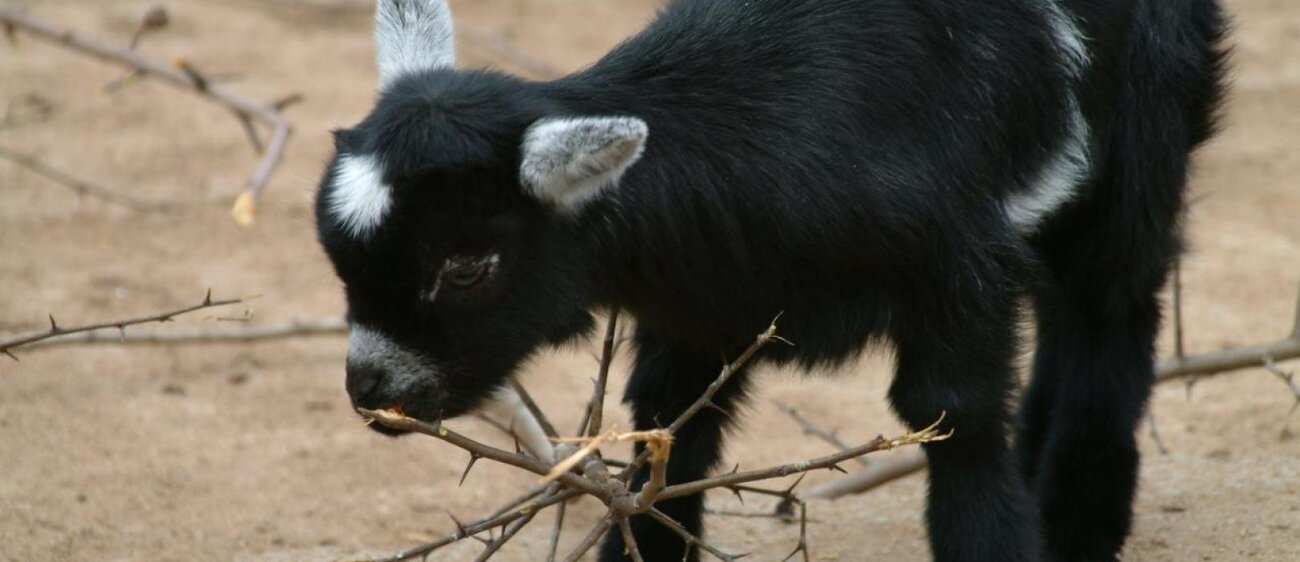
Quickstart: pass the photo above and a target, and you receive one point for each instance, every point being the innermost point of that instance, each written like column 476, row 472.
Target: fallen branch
column 186, row 77
column 55, row 331
column 77, row 185
column 581, row 471
column 246, row 334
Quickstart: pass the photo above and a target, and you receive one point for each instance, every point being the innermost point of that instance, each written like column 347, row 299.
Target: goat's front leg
column 956, row 359
column 664, row 383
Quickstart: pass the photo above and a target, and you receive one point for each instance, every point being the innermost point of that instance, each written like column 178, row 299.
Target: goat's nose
column 363, row 378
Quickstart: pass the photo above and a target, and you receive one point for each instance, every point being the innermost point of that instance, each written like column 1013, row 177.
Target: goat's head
column 449, row 212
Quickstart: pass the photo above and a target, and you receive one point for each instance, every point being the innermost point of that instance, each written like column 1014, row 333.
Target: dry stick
column 927, row 435
column 508, row 534
column 7, row 347
column 803, row 534
column 596, row 406
column 629, row 541
column 248, row 334
column 689, row 538
column 589, row 540
column 465, row 531
column 706, row 399
column 810, row 428
column 555, row 532
column 79, row 186
column 245, row 107
column 533, row 409
column 1232, row 359
column 395, row 420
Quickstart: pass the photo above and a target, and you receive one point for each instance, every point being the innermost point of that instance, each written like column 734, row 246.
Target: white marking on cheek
column 401, row 366
column 360, row 199
column 1058, row 181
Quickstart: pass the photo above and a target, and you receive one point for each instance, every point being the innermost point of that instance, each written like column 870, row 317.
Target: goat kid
column 900, row 171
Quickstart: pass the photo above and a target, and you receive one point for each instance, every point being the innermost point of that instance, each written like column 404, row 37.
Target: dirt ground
column 249, row 452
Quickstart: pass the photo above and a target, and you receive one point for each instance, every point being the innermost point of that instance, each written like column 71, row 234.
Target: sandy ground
column 249, row 452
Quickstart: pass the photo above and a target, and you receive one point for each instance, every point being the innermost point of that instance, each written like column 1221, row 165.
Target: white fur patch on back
column 359, row 199
column 1068, row 39
column 411, row 36
column 1059, row 179
column 570, row 161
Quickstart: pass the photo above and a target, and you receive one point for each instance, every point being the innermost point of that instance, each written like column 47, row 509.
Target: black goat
column 895, row 170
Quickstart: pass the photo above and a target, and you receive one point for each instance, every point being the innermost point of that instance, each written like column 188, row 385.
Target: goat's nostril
column 362, row 380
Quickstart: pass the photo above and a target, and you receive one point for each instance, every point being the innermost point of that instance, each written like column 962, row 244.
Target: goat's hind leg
column 955, row 357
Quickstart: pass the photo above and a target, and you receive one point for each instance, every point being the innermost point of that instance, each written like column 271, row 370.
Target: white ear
column 413, row 35
column 570, row 161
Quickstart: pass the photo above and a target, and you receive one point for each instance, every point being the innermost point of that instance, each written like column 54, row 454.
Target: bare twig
column 185, row 77
column 810, row 428
column 246, row 334
column 689, row 538
column 7, row 347
column 465, row 531
column 928, row 435
column 528, row 402
column 590, row 540
column 77, row 185
column 596, row 406
column 1179, row 350
column 555, row 532
column 629, row 541
column 509, row 533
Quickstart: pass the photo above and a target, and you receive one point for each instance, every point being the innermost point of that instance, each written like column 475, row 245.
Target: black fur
column 843, row 162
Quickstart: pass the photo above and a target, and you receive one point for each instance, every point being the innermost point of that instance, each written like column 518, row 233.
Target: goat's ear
column 567, row 162
column 411, row 36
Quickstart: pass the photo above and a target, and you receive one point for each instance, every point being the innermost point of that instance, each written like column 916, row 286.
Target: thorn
column 714, row 406
column 207, row 299
column 473, row 458
column 200, row 81
column 837, row 468
column 121, row 331
column 739, row 496
column 10, row 354
column 790, row 491
column 284, row 102
column 460, row 527
column 735, row 469
column 54, row 326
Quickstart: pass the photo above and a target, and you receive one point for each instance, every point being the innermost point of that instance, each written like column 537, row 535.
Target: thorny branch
column 580, row 472
column 183, row 75
column 55, row 331
column 77, row 185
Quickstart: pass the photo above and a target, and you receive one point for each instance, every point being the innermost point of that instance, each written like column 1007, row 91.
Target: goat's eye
column 467, row 275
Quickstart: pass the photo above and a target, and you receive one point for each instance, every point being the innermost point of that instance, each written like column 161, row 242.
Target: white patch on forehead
column 372, row 349
column 360, row 199
column 1059, row 179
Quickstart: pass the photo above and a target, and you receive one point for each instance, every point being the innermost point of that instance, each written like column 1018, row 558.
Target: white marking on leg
column 359, row 199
